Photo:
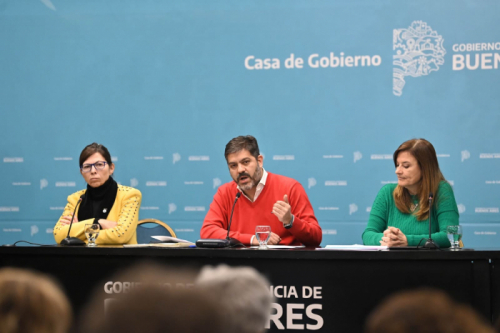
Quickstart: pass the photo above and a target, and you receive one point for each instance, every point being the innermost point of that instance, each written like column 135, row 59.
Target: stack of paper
column 280, row 246
column 354, row 247
column 161, row 245
column 171, row 239
column 174, row 242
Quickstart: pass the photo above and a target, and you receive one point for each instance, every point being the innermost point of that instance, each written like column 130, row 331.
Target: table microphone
column 73, row 240
column 430, row 244
column 233, row 242
column 219, row 243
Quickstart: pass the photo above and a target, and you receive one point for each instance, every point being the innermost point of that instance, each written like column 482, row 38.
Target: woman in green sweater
column 400, row 213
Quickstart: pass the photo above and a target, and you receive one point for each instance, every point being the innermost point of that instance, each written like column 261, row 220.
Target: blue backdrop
column 329, row 88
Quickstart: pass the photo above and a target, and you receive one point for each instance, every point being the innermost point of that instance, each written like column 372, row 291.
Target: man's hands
column 274, row 239
column 283, row 210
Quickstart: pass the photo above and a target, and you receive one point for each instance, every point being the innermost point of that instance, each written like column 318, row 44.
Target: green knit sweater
column 384, row 213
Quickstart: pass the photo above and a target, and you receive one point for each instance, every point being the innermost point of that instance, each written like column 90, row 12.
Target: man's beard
column 253, row 180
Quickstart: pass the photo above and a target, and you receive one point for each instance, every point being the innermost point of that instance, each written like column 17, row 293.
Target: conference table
column 315, row 290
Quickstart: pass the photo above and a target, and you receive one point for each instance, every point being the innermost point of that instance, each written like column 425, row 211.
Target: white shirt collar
column 260, row 187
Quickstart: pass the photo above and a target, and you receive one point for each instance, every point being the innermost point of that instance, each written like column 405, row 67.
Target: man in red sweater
column 269, row 199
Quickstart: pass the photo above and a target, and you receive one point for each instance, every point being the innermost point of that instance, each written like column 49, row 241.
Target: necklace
column 413, row 206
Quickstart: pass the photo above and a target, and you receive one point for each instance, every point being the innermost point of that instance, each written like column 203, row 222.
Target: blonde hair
column 424, row 153
column 31, row 302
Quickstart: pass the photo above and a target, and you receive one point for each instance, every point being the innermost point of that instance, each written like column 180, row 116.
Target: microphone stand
column 430, row 244
column 233, row 242
column 222, row 243
column 73, row 241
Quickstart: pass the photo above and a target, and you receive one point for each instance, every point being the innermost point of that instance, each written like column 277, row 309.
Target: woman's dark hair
column 242, row 142
column 92, row 149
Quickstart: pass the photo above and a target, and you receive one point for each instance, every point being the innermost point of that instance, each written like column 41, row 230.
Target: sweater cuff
column 413, row 240
column 246, row 239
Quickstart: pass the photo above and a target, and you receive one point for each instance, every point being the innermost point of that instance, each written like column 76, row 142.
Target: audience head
column 162, row 300
column 31, row 302
column 424, row 311
column 242, row 292
column 418, row 174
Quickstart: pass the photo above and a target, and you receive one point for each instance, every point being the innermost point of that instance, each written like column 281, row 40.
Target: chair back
column 152, row 227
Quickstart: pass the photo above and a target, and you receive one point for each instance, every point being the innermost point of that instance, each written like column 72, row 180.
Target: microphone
column 72, row 241
column 219, row 243
column 233, row 242
column 430, row 244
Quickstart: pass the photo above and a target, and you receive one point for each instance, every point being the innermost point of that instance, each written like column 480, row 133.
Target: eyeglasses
column 99, row 165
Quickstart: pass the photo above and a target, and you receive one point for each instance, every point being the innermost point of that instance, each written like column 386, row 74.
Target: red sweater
column 247, row 215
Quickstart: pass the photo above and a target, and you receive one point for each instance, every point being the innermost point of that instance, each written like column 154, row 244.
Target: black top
column 98, row 201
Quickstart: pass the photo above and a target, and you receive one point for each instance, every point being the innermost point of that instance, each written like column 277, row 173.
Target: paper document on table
column 354, row 247
column 281, row 247
column 161, row 245
column 170, row 239
column 173, row 244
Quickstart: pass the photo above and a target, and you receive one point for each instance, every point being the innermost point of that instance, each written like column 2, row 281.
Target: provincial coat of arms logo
column 419, row 51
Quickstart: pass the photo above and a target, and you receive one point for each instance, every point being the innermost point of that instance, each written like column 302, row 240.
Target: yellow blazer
column 125, row 212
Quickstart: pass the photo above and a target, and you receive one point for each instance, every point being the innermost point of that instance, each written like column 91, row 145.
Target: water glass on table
column 92, row 232
column 262, row 233
column 454, row 233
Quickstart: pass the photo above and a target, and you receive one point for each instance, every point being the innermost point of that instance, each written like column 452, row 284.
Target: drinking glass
column 92, row 232
column 454, row 233
column 262, row 232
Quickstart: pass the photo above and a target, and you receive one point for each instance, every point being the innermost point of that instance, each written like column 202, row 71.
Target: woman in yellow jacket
column 114, row 207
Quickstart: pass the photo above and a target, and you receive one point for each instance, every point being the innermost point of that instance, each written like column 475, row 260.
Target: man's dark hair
column 247, row 142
